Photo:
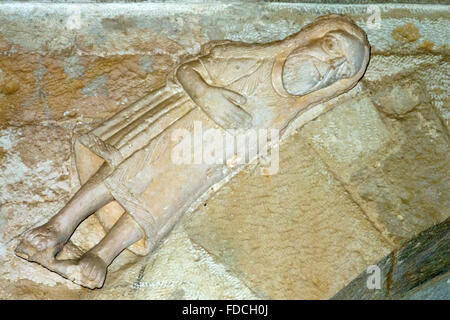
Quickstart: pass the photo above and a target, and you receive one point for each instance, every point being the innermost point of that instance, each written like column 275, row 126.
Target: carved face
column 335, row 56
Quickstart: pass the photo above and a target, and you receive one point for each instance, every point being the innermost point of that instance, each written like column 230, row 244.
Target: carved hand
column 220, row 104
column 224, row 107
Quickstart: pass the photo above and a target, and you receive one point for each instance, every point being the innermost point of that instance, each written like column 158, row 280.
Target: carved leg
column 43, row 243
column 90, row 270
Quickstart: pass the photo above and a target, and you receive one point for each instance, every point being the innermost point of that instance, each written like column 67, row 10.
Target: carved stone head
column 337, row 55
column 323, row 60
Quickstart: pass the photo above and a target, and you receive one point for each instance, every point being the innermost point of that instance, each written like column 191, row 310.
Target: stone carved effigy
column 126, row 166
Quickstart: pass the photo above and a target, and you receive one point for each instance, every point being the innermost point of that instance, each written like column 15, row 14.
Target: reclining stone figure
column 125, row 167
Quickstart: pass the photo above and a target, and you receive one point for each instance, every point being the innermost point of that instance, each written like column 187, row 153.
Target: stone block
column 349, row 137
column 294, row 235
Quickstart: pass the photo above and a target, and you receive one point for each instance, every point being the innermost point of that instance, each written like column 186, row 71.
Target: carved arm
column 222, row 105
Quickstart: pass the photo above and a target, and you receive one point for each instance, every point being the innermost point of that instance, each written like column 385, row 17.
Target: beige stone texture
column 353, row 184
column 294, row 235
column 390, row 150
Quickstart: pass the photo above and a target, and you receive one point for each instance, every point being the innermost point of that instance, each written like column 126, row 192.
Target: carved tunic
column 228, row 85
column 137, row 143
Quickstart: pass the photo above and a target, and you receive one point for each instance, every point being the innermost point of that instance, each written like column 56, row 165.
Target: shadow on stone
column 418, row 270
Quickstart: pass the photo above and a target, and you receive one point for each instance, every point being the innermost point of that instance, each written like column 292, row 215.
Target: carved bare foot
column 45, row 240
column 89, row 271
column 46, row 236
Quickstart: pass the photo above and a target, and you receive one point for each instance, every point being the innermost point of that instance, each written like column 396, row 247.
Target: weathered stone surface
column 389, row 179
column 398, row 98
column 35, row 181
column 36, row 164
column 349, row 137
column 408, row 189
column 27, row 153
column 407, row 32
column 179, row 269
column 393, row 162
column 296, row 235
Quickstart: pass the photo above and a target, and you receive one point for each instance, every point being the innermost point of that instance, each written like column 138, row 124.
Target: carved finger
column 100, row 280
column 86, row 269
column 247, row 122
column 234, row 97
column 229, row 121
column 221, row 123
column 94, row 273
column 244, row 118
column 242, row 114
column 238, row 118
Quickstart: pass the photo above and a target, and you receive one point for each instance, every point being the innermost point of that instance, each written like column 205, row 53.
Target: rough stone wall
column 354, row 183
column 418, row 270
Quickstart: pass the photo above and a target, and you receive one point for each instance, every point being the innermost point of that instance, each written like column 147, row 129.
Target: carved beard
column 303, row 74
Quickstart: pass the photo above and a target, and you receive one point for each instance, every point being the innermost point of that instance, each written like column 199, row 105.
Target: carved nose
column 345, row 70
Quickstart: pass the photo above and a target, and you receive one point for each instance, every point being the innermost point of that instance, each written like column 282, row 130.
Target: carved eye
column 330, row 45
